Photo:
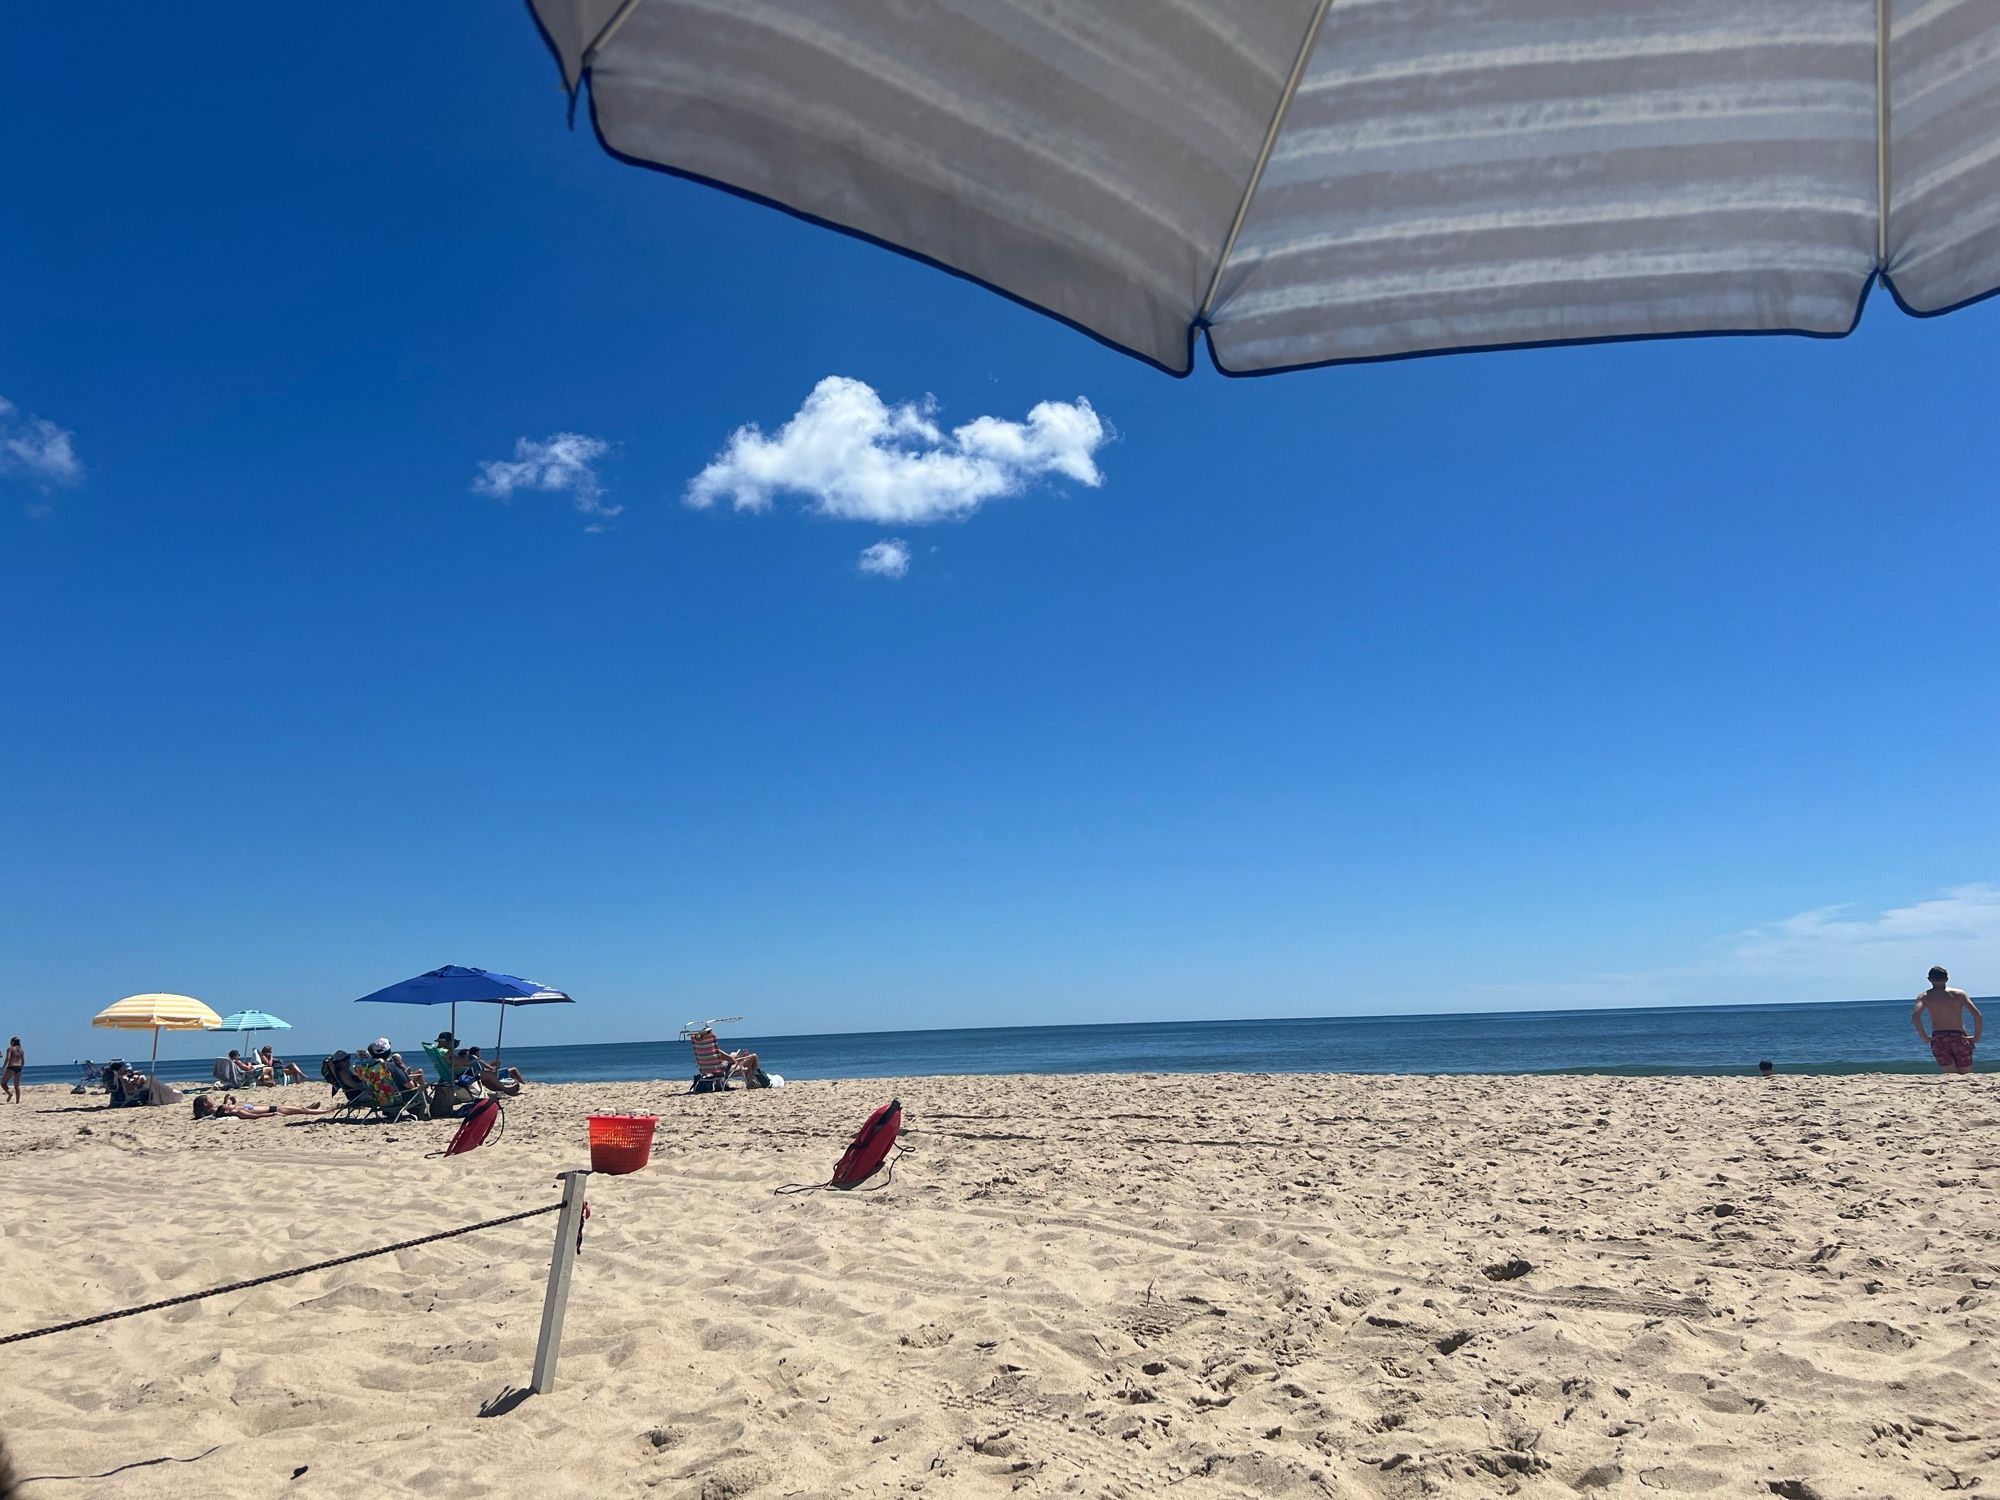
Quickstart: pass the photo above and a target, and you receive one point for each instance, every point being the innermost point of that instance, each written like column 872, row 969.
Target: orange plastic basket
column 621, row 1143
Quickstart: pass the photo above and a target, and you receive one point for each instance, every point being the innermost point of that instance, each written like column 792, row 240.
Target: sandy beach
column 1119, row 1286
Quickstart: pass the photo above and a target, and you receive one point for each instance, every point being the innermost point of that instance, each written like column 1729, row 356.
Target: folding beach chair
column 447, row 1089
column 389, row 1100
column 711, row 1065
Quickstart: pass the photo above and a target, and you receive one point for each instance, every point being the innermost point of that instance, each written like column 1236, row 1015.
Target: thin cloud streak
column 1824, row 953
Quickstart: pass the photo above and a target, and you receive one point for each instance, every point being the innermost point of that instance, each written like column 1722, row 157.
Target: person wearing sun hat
column 405, row 1076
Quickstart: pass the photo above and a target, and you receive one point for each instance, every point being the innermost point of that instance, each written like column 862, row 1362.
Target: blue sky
column 1645, row 674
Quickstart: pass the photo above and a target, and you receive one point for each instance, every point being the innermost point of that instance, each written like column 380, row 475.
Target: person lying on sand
column 1947, row 1007
column 205, row 1108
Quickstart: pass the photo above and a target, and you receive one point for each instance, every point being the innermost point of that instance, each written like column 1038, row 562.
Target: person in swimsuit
column 10, row 1072
column 1947, row 1007
column 205, row 1108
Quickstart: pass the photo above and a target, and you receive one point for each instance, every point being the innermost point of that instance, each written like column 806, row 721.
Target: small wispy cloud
column 37, row 450
column 1843, row 952
column 1965, row 917
column 888, row 559
column 851, row 456
column 562, row 463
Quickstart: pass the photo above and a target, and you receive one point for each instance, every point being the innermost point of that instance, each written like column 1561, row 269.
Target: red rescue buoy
column 865, row 1153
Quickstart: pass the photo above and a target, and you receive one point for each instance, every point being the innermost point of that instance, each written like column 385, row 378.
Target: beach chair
column 447, row 1078
column 711, row 1066
column 227, row 1072
column 389, row 1100
column 125, row 1086
column 356, row 1097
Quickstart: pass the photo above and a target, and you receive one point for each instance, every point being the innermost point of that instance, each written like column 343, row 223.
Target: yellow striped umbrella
column 158, row 1013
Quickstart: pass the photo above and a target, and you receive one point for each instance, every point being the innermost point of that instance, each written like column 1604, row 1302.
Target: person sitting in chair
column 278, row 1068
column 401, row 1073
column 243, row 1070
column 499, row 1080
column 713, row 1060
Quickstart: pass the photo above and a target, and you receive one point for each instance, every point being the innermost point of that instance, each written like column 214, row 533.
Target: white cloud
column 1959, row 927
column 38, row 450
column 853, row 457
column 1827, row 953
column 563, row 462
column 890, row 559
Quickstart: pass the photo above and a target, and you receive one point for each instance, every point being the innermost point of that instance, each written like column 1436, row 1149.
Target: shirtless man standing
column 1947, row 1007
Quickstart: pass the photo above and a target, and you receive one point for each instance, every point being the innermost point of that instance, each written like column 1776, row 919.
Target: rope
column 324, row 1265
column 888, row 1170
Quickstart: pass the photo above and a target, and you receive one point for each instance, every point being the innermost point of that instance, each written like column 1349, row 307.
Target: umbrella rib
column 603, row 37
column 1306, row 46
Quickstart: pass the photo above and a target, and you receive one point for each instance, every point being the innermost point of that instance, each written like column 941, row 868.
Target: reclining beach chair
column 711, row 1066
column 390, row 1100
column 441, row 1070
column 356, row 1097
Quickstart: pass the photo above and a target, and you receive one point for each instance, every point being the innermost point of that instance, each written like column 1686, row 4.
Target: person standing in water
column 10, row 1071
column 1947, row 1007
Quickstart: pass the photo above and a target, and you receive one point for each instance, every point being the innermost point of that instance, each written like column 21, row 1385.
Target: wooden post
column 569, row 1224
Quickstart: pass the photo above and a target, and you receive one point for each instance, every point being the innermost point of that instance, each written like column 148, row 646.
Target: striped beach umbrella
column 158, row 1013
column 1306, row 182
column 254, row 1020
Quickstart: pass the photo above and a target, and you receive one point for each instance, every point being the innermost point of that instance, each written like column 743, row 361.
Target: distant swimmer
column 1766, row 1067
column 1947, row 1007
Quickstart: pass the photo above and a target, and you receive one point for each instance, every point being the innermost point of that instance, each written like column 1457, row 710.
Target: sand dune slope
column 1199, row 1286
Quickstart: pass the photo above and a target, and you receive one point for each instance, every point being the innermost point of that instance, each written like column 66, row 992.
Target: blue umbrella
column 454, row 984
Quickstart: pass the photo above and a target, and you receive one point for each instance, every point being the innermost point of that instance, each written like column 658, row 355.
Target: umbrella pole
column 503, row 1035
column 153, row 1068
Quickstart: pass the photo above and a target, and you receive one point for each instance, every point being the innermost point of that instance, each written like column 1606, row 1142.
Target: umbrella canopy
column 1317, row 181
column 254, row 1020
column 456, row 985
column 158, row 1013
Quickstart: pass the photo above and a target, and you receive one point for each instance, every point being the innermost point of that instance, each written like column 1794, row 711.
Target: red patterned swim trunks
column 1952, row 1049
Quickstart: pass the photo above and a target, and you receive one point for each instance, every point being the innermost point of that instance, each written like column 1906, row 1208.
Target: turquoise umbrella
column 254, row 1020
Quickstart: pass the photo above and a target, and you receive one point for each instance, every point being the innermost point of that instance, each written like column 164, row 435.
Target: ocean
column 1863, row 1036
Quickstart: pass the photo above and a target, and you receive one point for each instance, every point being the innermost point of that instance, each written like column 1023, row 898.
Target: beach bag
column 870, row 1146
column 480, row 1122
